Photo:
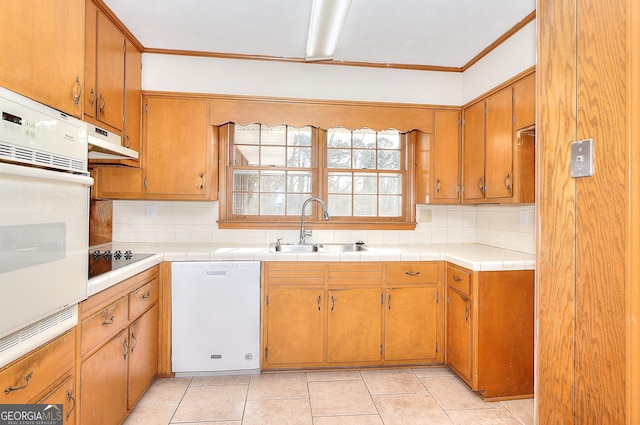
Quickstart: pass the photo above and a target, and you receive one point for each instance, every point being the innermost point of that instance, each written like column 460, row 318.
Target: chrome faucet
column 304, row 233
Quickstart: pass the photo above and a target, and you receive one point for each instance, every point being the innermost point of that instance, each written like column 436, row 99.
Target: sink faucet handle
column 278, row 241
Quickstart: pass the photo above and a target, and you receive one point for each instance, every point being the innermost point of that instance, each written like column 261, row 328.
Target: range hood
column 104, row 144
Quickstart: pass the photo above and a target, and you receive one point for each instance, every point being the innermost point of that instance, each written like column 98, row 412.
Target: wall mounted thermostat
column 582, row 158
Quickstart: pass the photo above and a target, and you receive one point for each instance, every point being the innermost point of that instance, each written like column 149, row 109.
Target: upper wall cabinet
column 42, row 51
column 437, row 158
column 498, row 164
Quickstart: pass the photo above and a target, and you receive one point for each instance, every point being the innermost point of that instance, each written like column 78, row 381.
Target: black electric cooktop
column 105, row 261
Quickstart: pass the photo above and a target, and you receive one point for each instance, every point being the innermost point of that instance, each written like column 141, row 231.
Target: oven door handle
column 39, row 173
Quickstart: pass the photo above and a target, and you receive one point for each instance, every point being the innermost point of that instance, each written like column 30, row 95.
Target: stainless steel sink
column 319, row 247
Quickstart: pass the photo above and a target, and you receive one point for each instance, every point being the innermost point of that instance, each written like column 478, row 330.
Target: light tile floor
column 405, row 396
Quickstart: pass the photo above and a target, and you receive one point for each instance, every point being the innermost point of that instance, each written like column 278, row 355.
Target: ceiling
column 440, row 33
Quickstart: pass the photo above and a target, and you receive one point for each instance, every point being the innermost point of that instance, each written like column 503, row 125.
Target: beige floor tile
column 340, row 398
column 483, row 417
column 521, row 409
column 212, row 403
column 453, row 394
column 428, row 372
column 166, row 390
column 220, row 380
column 277, row 412
column 410, row 409
column 348, row 420
column 334, row 375
column 392, row 381
column 278, row 386
column 152, row 414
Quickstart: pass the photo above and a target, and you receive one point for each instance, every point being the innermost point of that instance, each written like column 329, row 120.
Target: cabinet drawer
column 410, row 272
column 143, row 298
column 294, row 273
column 104, row 324
column 360, row 273
column 458, row 279
column 37, row 371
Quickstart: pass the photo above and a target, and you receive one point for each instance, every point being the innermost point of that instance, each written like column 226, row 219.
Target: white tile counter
column 472, row 256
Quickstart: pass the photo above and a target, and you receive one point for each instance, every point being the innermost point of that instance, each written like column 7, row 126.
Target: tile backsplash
column 504, row 226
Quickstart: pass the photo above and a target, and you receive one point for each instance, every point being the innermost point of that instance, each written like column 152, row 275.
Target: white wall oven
column 44, row 223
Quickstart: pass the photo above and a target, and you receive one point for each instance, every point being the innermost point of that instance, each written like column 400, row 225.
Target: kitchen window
column 272, row 170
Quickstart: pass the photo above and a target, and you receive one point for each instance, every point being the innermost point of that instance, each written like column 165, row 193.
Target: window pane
column 339, row 205
column 272, row 204
column 246, row 134
column 299, row 136
column 299, row 157
column 390, row 206
column 273, row 156
column 299, row 182
column 245, row 204
column 245, row 155
column 364, row 138
column 364, row 205
column 272, row 181
column 340, row 182
column 276, row 135
column 364, row 159
column 388, row 160
column 391, row 184
column 294, row 203
column 389, row 139
column 338, row 138
column 245, row 181
column 339, row 158
column 365, row 184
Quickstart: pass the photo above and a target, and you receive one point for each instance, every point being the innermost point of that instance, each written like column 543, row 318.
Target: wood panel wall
column 583, row 223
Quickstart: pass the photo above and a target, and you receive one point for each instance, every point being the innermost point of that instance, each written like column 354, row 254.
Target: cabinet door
column 473, row 152
column 499, row 145
column 103, row 399
column 133, row 101
column 354, row 325
column 459, row 334
column 110, row 73
column 117, row 183
column 63, row 394
column 295, row 326
column 143, row 354
column 446, row 157
column 177, row 151
column 410, row 323
column 41, row 54
column 90, row 58
column 524, row 102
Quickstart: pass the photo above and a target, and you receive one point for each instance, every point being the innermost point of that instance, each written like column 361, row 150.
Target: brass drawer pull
column 27, row 379
column 109, row 321
column 412, row 273
column 457, row 278
column 147, row 295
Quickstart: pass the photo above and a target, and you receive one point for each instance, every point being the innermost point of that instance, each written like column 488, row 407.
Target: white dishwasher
column 215, row 324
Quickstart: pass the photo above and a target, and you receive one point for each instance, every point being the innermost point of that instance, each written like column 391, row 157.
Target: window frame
column 319, row 172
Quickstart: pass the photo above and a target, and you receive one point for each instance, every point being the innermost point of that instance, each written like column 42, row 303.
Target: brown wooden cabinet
column 118, row 347
column 32, row 34
column 328, row 314
column 498, row 166
column 46, row 374
column 178, row 149
column 437, row 157
column 104, row 69
column 490, row 330
column 413, row 318
column 132, row 131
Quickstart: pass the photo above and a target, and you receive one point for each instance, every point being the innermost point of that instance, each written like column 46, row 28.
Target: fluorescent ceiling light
column 325, row 26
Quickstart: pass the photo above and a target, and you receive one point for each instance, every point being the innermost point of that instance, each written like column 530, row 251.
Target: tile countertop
column 472, row 256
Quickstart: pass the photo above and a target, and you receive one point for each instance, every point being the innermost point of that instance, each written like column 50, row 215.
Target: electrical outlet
column 425, row 216
column 152, row 212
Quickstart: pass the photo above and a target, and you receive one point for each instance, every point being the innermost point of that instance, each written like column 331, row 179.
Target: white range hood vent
column 104, row 144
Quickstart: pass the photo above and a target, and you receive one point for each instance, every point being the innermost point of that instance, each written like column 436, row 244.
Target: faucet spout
column 304, row 233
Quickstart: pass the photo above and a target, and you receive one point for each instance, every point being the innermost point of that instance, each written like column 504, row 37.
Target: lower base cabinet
column 337, row 314
column 118, row 348
column 490, row 330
